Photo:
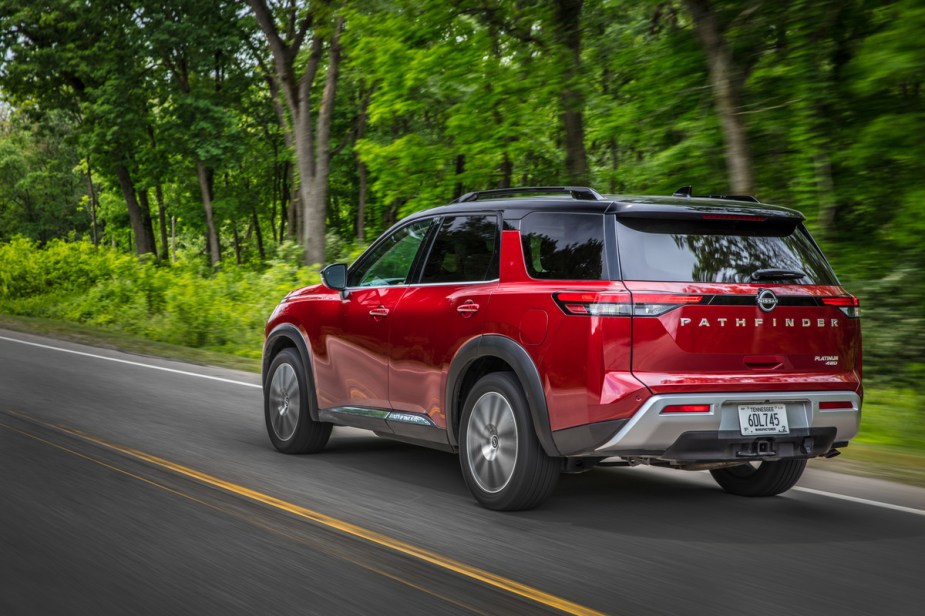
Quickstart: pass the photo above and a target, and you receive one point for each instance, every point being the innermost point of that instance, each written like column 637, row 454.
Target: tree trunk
column 507, row 171
column 460, row 169
column 205, row 188
column 146, row 218
column 142, row 244
column 362, row 171
column 258, row 232
column 161, row 217
column 363, row 174
column 93, row 205
column 723, row 79
column 237, row 244
column 567, row 25
column 173, row 238
column 312, row 144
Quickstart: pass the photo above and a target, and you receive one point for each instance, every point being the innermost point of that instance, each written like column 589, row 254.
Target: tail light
column 622, row 303
column 848, row 304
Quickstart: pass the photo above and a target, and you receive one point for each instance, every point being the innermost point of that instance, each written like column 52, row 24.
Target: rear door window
column 719, row 251
column 563, row 246
column 465, row 250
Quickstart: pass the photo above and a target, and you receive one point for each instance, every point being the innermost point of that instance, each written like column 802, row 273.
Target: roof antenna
column 684, row 191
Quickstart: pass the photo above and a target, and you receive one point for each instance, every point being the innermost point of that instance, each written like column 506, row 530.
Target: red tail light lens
column 655, row 304
column 687, row 408
column 848, row 304
column 622, row 303
column 593, row 304
column 833, row 405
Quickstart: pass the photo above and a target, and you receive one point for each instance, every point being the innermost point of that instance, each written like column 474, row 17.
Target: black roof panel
column 621, row 205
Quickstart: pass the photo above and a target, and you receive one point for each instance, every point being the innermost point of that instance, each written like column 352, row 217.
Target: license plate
column 760, row 419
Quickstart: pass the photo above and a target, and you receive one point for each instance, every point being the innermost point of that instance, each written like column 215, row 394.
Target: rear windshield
column 719, row 251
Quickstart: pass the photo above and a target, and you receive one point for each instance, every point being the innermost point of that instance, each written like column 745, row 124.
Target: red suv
column 544, row 330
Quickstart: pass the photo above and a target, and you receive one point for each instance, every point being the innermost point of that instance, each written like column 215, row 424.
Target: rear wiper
column 777, row 274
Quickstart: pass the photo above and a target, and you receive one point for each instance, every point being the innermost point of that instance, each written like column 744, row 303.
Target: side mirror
column 334, row 276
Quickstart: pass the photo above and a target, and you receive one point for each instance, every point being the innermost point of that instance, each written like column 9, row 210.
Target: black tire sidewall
column 531, row 462
column 307, row 433
column 769, row 479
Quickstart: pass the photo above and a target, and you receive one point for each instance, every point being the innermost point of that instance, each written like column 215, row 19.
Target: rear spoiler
column 705, row 209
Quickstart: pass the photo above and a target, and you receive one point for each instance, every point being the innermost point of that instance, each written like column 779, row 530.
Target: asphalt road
column 145, row 486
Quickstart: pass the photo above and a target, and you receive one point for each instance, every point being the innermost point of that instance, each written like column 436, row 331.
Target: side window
column 465, row 250
column 562, row 246
column 390, row 261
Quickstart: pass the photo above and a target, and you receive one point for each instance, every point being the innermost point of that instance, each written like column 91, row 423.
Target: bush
column 182, row 303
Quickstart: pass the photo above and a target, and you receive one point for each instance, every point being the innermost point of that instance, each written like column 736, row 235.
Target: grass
column 891, row 444
column 95, row 336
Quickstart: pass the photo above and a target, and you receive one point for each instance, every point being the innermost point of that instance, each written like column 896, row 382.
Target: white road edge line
column 853, row 499
column 863, row 501
column 132, row 363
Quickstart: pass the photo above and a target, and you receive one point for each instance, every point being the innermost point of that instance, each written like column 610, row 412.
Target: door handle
column 468, row 309
column 380, row 312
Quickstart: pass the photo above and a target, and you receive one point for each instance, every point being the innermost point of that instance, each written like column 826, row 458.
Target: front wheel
column 502, row 460
column 286, row 400
column 765, row 479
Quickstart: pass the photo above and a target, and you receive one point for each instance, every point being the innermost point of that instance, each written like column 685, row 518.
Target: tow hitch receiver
column 761, row 448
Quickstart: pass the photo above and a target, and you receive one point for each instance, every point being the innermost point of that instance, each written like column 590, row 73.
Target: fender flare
column 293, row 335
column 506, row 349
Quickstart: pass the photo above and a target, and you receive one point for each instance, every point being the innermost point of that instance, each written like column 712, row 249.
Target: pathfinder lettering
column 705, row 322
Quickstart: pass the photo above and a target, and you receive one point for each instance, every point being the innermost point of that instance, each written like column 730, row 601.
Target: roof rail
column 580, row 193
column 688, row 192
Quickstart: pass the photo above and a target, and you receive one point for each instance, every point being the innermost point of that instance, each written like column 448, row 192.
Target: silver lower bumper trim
column 652, row 430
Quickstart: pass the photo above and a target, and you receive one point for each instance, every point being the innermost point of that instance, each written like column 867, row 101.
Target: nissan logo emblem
column 767, row 301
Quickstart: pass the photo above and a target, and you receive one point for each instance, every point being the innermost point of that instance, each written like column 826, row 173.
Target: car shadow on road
column 673, row 505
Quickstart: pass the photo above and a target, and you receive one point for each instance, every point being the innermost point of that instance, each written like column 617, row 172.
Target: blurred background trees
column 230, row 133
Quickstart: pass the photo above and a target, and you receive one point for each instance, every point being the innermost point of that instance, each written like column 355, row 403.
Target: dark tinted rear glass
column 465, row 250
column 561, row 246
column 717, row 251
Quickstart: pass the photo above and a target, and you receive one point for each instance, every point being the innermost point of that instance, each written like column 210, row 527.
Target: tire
column 287, row 401
column 502, row 461
column 767, row 479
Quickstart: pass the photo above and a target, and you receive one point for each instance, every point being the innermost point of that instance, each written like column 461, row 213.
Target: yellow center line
column 364, row 565
column 486, row 577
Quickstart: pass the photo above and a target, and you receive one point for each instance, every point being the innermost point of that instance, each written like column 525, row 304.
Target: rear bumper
column 716, row 435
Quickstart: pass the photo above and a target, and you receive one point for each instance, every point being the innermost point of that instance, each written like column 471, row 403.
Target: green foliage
column 893, row 417
column 184, row 304
column 451, row 96
column 40, row 191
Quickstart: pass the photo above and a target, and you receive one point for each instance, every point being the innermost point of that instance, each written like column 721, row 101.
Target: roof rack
column 688, row 192
column 580, row 193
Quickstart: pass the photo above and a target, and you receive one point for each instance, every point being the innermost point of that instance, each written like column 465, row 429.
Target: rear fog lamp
column 833, row 405
column 687, row 408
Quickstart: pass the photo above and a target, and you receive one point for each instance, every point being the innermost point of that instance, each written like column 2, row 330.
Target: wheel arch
column 287, row 335
column 493, row 353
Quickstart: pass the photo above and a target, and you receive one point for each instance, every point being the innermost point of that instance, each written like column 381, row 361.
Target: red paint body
column 593, row 368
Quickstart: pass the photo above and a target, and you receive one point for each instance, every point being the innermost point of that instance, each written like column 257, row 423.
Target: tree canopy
column 227, row 129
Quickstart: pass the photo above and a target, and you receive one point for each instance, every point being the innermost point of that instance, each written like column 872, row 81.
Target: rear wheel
column 502, row 461
column 765, row 479
column 286, row 400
